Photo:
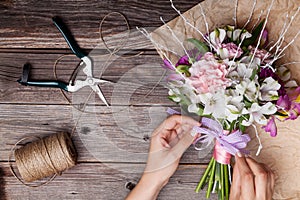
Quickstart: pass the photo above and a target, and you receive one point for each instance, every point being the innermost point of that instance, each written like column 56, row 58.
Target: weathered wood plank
column 113, row 134
column 97, row 181
column 28, row 24
column 137, row 75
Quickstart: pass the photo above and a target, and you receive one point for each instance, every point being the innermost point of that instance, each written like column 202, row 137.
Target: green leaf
column 232, row 126
column 200, row 111
column 254, row 72
column 184, row 69
column 241, row 127
column 199, row 45
column 255, row 34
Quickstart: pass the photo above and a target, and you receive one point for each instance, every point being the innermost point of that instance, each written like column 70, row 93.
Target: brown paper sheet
column 281, row 153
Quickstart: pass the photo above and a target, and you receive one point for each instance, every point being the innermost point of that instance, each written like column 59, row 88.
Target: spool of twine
column 45, row 157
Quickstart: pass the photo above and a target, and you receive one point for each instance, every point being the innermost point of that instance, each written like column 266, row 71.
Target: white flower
column 237, row 33
column 256, row 62
column 268, row 90
column 257, row 113
column 241, row 72
column 248, row 88
column 213, row 104
column 234, row 107
column 217, row 36
column 173, row 95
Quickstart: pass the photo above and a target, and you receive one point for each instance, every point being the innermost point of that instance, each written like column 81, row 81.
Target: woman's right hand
column 251, row 180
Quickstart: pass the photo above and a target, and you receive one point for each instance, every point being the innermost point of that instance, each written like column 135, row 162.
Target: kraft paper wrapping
column 281, row 153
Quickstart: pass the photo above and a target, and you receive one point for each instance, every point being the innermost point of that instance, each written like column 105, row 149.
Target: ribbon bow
column 232, row 143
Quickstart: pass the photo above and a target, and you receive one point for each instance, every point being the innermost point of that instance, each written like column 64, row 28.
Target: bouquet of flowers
column 229, row 77
column 231, row 80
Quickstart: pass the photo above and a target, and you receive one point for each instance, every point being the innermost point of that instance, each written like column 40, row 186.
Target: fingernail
column 247, row 155
column 239, row 154
column 194, row 132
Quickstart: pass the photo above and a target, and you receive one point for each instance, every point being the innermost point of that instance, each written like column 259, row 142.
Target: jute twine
column 44, row 157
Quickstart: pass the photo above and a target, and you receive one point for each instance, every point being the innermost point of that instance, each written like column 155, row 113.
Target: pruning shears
column 86, row 65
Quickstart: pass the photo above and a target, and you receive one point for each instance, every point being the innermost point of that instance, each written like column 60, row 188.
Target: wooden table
column 27, row 34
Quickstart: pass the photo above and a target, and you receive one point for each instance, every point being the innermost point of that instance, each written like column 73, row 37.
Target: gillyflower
column 229, row 50
column 208, row 75
column 262, row 54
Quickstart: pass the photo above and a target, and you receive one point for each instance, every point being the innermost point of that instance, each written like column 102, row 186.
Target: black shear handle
column 68, row 37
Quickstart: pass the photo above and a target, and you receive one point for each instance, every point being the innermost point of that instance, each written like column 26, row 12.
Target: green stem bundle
column 216, row 176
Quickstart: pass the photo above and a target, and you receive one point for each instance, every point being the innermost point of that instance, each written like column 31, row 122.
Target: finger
column 236, row 184
column 172, row 121
column 261, row 178
column 247, row 178
column 271, row 179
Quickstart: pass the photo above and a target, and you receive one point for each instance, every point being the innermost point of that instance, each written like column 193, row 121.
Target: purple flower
column 168, row 65
column 290, row 104
column 184, row 60
column 284, row 102
column 174, row 77
column 264, row 39
column 271, row 127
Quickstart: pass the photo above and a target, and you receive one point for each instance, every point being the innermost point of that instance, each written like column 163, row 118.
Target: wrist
column 153, row 182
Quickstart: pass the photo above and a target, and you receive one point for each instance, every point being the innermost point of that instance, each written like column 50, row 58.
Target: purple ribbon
column 232, row 143
column 211, row 129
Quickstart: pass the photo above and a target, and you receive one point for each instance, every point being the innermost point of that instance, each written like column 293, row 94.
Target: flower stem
column 226, row 182
column 204, row 177
column 211, row 179
column 222, row 181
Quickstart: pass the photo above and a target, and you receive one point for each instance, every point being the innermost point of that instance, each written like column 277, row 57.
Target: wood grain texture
column 18, row 121
column 142, row 76
column 97, row 181
column 27, row 34
column 27, row 24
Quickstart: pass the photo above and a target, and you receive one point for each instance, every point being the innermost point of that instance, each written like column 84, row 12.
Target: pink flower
column 271, row 127
column 229, row 50
column 208, row 75
column 262, row 54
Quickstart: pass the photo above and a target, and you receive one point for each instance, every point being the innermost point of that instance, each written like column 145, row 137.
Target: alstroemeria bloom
column 234, row 107
column 240, row 72
column 229, row 50
column 217, row 36
column 213, row 104
column 236, row 34
column 289, row 105
column 247, row 88
column 268, row 90
column 271, row 127
column 257, row 112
